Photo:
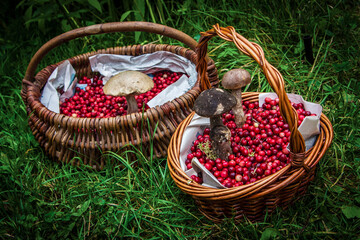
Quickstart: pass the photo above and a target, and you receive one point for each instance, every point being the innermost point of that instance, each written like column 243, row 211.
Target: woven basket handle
column 273, row 76
column 105, row 28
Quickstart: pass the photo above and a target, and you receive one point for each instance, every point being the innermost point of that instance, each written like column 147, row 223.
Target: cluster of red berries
column 259, row 147
column 91, row 102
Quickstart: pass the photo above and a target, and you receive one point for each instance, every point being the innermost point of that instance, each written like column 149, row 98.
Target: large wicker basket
column 85, row 139
column 279, row 189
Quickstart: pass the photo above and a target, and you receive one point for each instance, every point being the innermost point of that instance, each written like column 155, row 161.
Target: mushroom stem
column 215, row 121
column 132, row 106
column 220, row 138
column 238, row 109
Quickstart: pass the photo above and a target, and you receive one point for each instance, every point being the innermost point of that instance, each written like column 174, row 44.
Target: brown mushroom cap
column 213, row 102
column 235, row 79
column 127, row 83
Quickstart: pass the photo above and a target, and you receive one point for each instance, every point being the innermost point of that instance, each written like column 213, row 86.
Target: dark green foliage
column 42, row 199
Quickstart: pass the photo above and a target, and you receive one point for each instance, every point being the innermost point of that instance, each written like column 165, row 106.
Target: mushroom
column 234, row 80
column 213, row 103
column 128, row 84
column 220, row 136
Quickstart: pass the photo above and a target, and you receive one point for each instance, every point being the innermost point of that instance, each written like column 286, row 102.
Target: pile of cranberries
column 259, row 147
column 91, row 102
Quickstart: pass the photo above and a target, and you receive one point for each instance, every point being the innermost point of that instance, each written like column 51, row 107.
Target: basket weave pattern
column 66, row 138
column 265, row 195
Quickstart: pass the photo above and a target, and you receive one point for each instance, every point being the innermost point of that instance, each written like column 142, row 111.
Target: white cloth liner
column 63, row 77
column 309, row 129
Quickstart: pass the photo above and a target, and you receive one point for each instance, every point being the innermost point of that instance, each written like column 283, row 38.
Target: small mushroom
column 234, row 80
column 128, row 84
column 213, row 103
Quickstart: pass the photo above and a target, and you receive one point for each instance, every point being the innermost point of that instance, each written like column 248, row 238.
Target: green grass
column 42, row 199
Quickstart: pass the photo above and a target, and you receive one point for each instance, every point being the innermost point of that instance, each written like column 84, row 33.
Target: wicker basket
column 280, row 189
column 71, row 139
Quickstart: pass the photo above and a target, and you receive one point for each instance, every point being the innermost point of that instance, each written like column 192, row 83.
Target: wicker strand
column 297, row 160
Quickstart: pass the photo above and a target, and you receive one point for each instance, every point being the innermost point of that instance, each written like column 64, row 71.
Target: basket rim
column 187, row 185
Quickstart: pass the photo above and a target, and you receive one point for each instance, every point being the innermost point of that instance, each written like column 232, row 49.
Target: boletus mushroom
column 220, row 137
column 212, row 103
column 234, row 80
column 128, row 84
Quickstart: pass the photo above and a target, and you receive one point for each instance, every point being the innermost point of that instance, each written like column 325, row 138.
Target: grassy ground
column 41, row 199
